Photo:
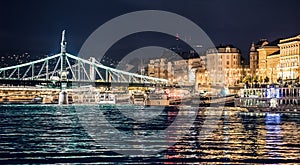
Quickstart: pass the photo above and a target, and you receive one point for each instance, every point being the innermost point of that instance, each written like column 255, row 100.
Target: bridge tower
column 63, row 44
column 63, row 95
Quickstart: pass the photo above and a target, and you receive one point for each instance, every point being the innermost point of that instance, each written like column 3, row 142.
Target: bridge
column 64, row 69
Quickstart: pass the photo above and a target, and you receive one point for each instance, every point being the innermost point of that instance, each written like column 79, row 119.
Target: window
column 227, row 62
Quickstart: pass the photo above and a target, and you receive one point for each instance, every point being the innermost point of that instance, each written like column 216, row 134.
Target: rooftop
column 273, row 43
column 275, row 53
column 225, row 49
column 296, row 38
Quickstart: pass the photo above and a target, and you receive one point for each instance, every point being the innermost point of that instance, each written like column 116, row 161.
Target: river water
column 57, row 134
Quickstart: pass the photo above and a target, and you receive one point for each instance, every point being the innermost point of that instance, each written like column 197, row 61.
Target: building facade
column 289, row 58
column 160, row 68
column 264, row 57
column 272, row 67
column 224, row 66
column 254, row 57
column 279, row 60
column 182, row 72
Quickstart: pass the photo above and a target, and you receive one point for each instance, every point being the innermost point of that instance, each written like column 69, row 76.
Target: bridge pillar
column 63, row 94
column 63, row 97
column 92, row 69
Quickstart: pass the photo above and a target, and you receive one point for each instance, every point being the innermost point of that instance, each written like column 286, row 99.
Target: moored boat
column 212, row 101
column 269, row 98
column 138, row 98
column 106, row 98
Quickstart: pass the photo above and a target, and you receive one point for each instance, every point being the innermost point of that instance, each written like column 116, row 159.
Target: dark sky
column 35, row 26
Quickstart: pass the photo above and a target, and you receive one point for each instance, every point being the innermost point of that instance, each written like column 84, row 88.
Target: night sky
column 35, row 26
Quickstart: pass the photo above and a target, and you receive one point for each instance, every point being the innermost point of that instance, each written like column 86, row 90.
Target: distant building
column 160, row 68
column 267, row 52
column 254, row 56
column 289, row 58
column 224, row 66
column 185, row 70
column 182, row 72
column 272, row 65
column 279, row 60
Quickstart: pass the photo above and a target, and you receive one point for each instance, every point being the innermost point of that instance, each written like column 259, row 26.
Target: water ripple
column 53, row 134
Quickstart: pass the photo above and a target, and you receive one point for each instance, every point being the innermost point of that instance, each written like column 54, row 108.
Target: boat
column 138, row 98
column 37, row 100
column 105, row 98
column 270, row 98
column 213, row 100
column 210, row 99
column 123, row 98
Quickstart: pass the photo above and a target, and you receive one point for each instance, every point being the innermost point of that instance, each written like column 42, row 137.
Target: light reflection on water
column 53, row 134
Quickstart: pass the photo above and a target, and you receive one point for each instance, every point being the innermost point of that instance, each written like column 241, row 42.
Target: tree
column 246, row 79
column 254, row 79
column 260, row 79
column 279, row 80
column 267, row 79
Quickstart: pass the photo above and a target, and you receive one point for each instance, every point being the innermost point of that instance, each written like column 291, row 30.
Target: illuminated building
column 289, row 58
column 253, row 60
column 272, row 65
column 264, row 55
column 279, row 60
column 185, row 70
column 224, row 66
column 181, row 71
column 180, row 68
column 254, row 56
column 160, row 68
column 202, row 78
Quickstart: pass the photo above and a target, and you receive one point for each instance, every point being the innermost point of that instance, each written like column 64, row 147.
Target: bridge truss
column 67, row 67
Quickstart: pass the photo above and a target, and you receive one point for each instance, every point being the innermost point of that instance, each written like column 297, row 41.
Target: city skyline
column 24, row 31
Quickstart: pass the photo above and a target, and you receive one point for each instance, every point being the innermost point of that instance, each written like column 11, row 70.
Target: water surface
column 54, row 134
